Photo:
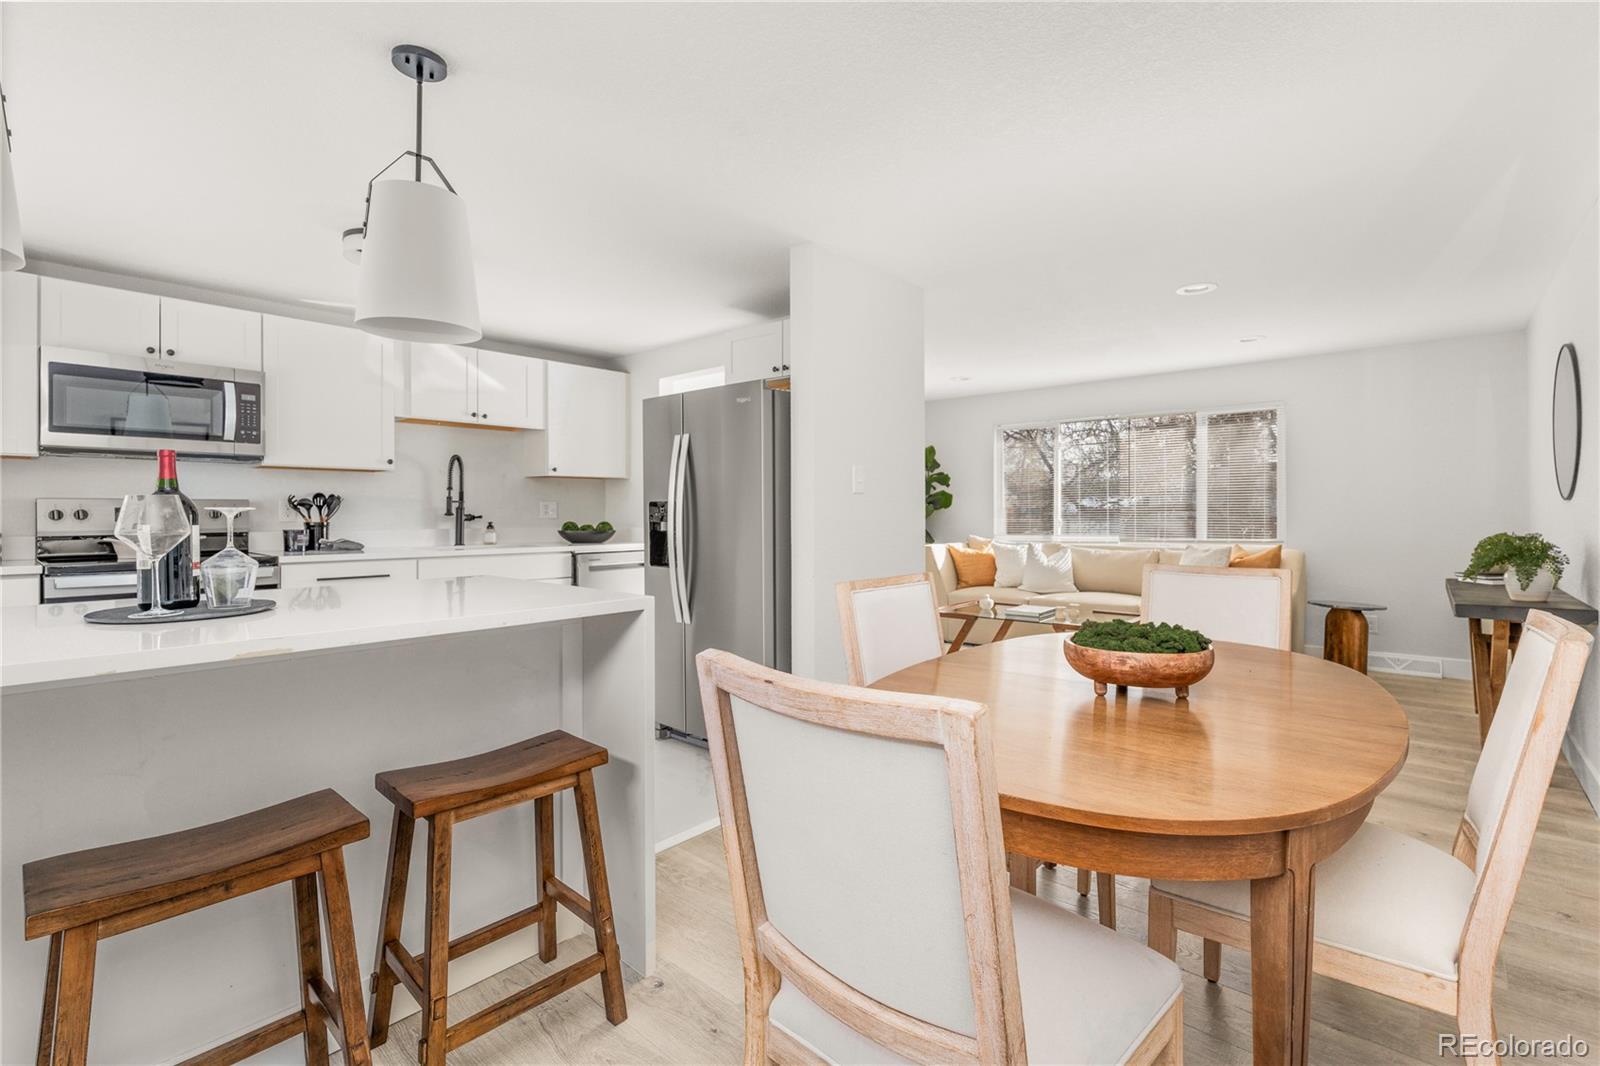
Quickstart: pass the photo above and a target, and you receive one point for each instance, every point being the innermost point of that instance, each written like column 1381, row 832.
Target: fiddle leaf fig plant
column 1524, row 554
column 936, row 486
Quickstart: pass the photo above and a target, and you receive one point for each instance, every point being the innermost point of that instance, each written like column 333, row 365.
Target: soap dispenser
column 489, row 535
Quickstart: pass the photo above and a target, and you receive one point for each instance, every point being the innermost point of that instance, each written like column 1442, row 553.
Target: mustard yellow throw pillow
column 973, row 568
column 1260, row 559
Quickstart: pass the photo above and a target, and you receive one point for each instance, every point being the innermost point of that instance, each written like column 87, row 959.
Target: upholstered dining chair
column 862, row 832
column 889, row 623
column 1398, row 916
column 1245, row 606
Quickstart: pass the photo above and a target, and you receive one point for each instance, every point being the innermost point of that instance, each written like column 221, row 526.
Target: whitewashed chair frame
column 856, row 656
column 1283, row 602
column 1469, row 998
column 962, row 730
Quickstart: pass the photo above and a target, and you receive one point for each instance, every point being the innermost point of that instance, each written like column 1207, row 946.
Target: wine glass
column 229, row 576
column 152, row 525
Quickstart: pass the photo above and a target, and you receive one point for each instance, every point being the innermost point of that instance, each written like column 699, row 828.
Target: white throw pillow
column 1047, row 573
column 1009, row 560
column 1206, row 555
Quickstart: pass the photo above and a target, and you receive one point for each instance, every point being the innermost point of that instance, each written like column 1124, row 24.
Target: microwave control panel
column 247, row 429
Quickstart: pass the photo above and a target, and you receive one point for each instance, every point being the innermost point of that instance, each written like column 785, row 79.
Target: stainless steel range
column 83, row 560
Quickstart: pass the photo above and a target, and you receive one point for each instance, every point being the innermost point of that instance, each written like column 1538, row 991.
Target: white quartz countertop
column 52, row 645
column 446, row 552
column 21, row 569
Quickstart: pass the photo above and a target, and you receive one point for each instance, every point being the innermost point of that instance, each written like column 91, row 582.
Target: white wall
column 1397, row 460
column 855, row 337
column 1568, row 313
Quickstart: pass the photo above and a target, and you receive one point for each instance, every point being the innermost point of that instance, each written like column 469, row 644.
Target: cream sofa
column 1108, row 591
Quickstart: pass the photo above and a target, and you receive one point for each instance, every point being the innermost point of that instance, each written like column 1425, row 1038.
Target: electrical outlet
column 287, row 513
column 547, row 509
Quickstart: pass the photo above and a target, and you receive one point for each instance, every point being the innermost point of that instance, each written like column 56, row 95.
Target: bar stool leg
column 436, row 955
column 47, row 1023
column 394, row 906
column 74, row 991
column 342, row 950
column 308, row 924
column 605, row 930
column 545, row 837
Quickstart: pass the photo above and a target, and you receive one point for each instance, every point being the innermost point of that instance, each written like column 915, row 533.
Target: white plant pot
column 1538, row 589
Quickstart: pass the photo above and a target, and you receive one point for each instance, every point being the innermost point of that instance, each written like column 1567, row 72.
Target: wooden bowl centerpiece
column 1146, row 654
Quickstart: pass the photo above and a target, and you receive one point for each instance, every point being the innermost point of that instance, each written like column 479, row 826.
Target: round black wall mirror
column 1566, row 421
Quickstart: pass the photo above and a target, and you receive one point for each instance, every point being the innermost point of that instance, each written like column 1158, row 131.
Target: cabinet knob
column 149, row 351
column 774, row 370
column 389, row 461
column 171, row 352
column 474, row 414
column 552, row 470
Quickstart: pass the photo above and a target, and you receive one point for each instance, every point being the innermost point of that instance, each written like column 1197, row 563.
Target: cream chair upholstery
column 862, row 832
column 1394, row 914
column 888, row 623
column 1244, row 606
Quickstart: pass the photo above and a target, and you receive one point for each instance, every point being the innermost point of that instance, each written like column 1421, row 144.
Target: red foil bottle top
column 166, row 465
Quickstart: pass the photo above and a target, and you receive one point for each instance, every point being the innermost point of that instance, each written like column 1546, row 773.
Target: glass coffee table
column 972, row 612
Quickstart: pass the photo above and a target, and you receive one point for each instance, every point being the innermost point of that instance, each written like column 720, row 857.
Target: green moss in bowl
column 1157, row 638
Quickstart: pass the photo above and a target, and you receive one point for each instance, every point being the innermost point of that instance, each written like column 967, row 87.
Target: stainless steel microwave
column 126, row 405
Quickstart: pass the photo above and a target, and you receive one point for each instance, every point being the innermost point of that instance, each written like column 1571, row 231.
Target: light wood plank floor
column 1547, row 983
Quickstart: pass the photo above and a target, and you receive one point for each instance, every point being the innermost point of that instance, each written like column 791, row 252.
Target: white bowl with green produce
column 597, row 533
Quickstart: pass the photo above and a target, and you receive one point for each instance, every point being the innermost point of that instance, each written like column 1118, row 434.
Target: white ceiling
column 1349, row 174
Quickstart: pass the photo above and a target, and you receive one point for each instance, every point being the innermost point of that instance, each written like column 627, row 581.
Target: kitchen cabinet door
column 537, row 374
column 19, row 364
column 758, row 352
column 528, row 566
column 441, row 383
column 210, row 335
column 328, row 404
column 294, row 574
column 586, row 422
column 501, row 381
column 93, row 318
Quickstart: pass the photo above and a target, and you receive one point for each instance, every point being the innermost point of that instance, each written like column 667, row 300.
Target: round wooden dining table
column 1268, row 767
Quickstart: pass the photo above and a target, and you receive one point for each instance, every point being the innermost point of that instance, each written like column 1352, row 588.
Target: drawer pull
column 352, row 577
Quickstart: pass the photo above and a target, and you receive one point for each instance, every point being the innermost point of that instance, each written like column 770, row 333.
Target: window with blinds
column 1190, row 475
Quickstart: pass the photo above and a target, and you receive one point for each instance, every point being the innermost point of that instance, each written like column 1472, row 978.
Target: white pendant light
column 416, row 280
column 11, row 254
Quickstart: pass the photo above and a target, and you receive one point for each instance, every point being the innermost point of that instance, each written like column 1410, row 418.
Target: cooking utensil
column 335, row 501
column 302, row 505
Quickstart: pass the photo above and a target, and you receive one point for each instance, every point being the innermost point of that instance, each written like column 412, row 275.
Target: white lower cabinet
column 367, row 571
column 329, row 396
column 19, row 590
column 544, row 566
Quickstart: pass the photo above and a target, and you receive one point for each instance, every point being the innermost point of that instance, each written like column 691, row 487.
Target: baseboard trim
column 688, row 834
column 1584, row 771
column 1404, row 662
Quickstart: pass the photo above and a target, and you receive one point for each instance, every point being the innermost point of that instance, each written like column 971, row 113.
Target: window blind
column 1242, row 475
column 1028, row 472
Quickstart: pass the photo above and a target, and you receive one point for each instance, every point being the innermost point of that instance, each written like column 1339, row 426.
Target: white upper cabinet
column 94, row 318
column 19, row 364
column 586, row 420
column 439, row 385
column 449, row 383
column 210, row 335
column 758, row 352
column 329, row 396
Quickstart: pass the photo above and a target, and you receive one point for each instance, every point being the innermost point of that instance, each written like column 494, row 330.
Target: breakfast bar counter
column 112, row 733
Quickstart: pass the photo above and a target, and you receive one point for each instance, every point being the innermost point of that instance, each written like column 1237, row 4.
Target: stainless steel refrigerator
column 716, row 502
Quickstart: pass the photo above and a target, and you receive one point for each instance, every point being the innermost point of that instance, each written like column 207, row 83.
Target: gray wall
column 1397, row 460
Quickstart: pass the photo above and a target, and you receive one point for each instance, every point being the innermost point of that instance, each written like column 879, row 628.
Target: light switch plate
column 547, row 509
column 858, row 479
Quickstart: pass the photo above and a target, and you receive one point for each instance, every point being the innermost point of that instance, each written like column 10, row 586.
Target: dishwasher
column 618, row 571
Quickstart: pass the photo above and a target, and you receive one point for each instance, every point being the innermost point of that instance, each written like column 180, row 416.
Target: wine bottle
column 180, row 567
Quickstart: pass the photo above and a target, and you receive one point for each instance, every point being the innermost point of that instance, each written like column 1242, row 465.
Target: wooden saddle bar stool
column 81, row 898
column 449, row 792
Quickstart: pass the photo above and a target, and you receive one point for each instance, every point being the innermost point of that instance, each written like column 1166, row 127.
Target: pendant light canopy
column 11, row 254
column 416, row 280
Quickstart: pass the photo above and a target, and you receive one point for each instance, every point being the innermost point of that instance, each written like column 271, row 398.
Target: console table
column 1491, row 651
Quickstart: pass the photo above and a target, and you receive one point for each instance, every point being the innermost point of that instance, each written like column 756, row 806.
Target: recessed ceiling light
column 961, row 377
column 1198, row 288
column 1253, row 338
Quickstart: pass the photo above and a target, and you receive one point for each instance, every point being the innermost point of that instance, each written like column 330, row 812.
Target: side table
column 1344, row 633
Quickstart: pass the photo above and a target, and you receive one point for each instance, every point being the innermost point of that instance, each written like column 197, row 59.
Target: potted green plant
column 936, row 487
column 1532, row 565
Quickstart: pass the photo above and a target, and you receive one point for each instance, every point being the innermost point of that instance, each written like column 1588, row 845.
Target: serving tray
column 129, row 616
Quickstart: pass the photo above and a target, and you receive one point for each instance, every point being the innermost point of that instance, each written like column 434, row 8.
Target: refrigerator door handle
column 672, row 527
column 680, row 533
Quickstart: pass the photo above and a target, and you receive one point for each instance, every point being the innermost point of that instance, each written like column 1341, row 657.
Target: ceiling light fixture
column 12, row 256
column 1198, row 288
column 350, row 242
column 1253, row 338
column 416, row 281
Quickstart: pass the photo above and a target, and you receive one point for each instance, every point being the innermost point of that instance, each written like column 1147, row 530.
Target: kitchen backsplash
column 401, row 506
